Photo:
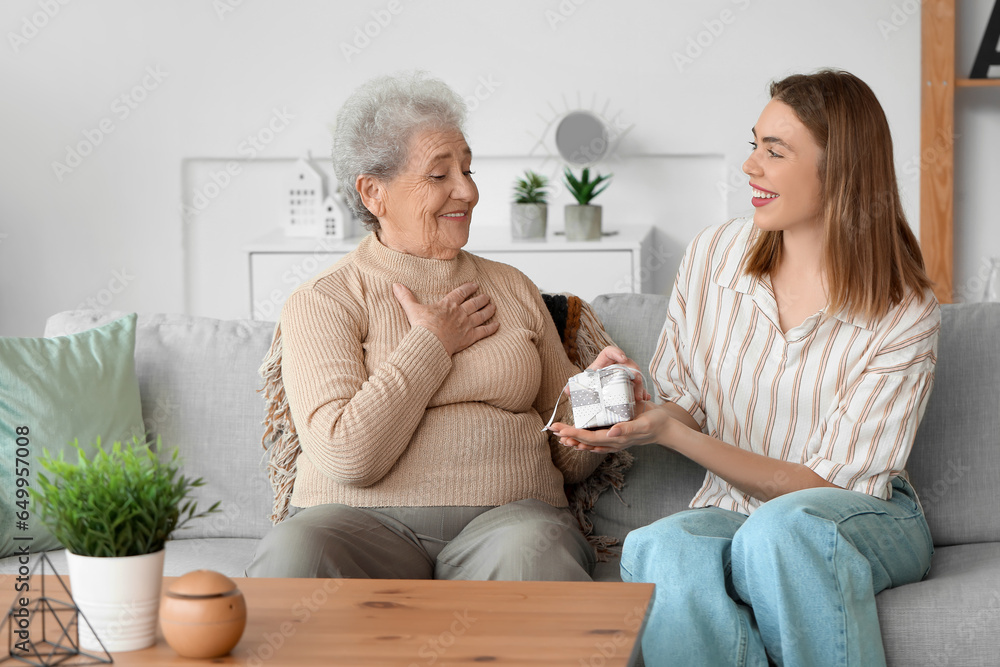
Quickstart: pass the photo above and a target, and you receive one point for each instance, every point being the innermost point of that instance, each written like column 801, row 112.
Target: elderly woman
column 418, row 375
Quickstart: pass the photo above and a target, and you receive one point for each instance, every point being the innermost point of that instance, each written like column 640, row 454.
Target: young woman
column 794, row 365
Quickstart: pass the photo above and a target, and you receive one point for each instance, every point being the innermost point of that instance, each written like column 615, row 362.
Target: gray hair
column 376, row 123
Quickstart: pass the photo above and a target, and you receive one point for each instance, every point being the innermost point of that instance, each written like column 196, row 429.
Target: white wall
column 111, row 231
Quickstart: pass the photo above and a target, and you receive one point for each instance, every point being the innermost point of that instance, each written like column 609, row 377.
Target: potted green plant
column 529, row 213
column 113, row 511
column 583, row 219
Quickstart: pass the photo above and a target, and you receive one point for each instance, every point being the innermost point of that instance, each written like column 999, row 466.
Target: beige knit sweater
column 386, row 418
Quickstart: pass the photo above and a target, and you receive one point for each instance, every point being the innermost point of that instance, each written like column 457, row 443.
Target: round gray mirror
column 581, row 138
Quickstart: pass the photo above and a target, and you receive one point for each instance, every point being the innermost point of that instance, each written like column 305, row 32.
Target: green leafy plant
column 125, row 501
column 531, row 189
column 583, row 189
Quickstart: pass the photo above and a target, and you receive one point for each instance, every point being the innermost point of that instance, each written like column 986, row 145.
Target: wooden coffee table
column 414, row 623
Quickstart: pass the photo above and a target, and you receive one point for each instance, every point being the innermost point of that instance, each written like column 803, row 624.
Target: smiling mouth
column 457, row 215
column 762, row 197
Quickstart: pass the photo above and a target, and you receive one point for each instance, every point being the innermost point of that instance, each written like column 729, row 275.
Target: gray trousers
column 527, row 540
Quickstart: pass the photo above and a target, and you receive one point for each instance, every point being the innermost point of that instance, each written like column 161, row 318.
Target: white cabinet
column 279, row 263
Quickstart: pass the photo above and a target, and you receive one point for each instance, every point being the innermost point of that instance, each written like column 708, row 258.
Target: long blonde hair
column 872, row 258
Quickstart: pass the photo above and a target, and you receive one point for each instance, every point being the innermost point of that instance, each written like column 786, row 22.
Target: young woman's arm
column 868, row 434
column 671, row 426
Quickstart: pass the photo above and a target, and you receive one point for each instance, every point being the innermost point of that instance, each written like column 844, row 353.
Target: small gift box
column 602, row 397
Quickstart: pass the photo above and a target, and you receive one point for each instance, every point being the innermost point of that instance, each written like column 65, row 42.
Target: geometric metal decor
column 44, row 631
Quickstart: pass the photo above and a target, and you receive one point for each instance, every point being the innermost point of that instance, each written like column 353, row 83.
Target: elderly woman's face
column 427, row 208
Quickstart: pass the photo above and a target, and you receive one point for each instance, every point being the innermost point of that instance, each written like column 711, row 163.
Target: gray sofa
column 198, row 380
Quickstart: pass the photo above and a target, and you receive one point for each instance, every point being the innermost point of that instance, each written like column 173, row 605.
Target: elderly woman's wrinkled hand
column 459, row 319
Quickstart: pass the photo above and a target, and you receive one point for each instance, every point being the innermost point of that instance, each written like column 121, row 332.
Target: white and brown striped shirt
column 838, row 393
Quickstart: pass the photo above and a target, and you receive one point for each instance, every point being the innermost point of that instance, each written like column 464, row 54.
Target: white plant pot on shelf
column 583, row 222
column 528, row 221
column 119, row 597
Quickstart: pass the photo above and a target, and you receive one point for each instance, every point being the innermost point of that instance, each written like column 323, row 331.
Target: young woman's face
column 784, row 172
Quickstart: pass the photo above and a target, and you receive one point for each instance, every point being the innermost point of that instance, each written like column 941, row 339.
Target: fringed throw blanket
column 279, row 439
column 583, row 337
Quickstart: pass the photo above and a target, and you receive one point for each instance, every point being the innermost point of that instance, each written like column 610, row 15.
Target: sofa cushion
column 950, row 618
column 634, row 321
column 955, row 463
column 55, row 391
column 229, row 556
column 198, row 381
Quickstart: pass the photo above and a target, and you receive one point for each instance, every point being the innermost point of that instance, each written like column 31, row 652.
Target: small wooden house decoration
column 335, row 219
column 308, row 210
column 304, row 200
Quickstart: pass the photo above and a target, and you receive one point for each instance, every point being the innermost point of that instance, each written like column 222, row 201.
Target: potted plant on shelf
column 583, row 219
column 529, row 213
column 113, row 511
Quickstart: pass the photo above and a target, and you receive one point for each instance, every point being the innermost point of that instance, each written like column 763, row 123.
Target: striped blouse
column 837, row 393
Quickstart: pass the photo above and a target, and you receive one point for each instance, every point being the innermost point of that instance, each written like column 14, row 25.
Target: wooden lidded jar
column 203, row 614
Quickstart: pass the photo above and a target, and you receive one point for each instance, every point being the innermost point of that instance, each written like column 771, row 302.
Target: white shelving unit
column 617, row 263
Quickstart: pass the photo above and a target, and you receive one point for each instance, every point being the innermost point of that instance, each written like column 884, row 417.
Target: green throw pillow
column 52, row 391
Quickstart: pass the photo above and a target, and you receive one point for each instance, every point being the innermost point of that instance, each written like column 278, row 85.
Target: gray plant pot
column 583, row 222
column 527, row 221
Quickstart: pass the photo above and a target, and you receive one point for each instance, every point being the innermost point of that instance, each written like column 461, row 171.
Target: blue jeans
column 795, row 581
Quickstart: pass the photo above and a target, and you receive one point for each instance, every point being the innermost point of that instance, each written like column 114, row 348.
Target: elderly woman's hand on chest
column 459, row 319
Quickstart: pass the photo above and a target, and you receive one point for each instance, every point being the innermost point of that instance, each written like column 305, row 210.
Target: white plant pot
column 528, row 221
column 583, row 222
column 120, row 598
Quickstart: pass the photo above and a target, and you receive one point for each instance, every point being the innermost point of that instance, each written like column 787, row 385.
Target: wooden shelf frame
column 937, row 134
column 977, row 83
column 937, row 139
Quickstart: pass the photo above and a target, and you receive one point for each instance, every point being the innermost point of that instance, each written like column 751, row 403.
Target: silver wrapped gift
column 602, row 397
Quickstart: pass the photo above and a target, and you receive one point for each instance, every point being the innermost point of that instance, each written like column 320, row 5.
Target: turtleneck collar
column 417, row 273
